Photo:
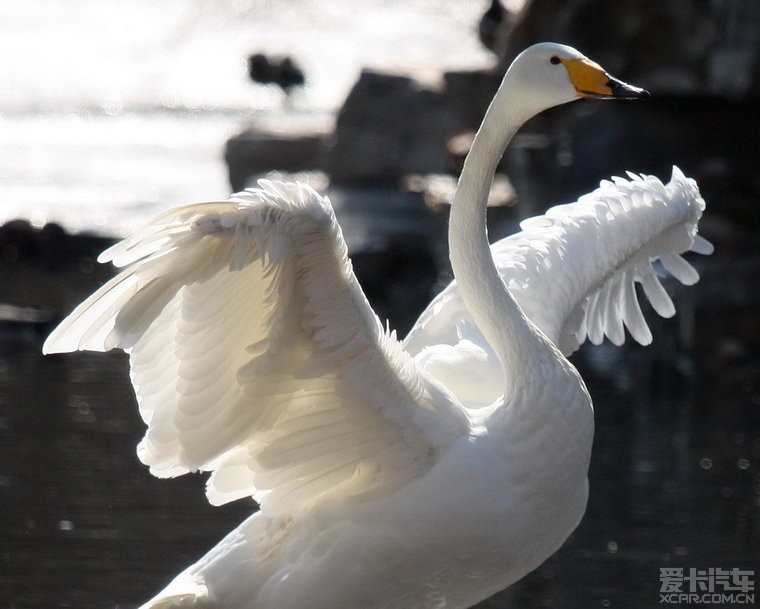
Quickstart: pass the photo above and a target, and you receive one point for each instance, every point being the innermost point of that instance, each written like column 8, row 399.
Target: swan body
column 432, row 472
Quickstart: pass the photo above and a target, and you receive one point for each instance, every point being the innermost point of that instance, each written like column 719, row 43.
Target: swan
column 432, row 472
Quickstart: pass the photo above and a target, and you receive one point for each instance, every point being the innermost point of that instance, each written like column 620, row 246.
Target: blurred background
column 113, row 110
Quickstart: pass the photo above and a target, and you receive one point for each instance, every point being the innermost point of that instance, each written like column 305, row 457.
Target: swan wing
column 254, row 354
column 573, row 272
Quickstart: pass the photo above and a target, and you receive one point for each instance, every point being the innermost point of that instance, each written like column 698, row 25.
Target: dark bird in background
column 281, row 71
column 493, row 25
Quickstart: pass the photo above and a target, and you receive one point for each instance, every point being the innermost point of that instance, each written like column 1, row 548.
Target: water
column 675, row 476
column 111, row 110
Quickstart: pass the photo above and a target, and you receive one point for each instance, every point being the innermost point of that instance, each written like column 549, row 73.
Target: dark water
column 674, row 482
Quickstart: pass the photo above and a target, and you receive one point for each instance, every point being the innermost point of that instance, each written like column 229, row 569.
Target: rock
column 50, row 246
column 256, row 151
column 388, row 127
column 669, row 46
column 468, row 94
column 19, row 241
column 394, row 244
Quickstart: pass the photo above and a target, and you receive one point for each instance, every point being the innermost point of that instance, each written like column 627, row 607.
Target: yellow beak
column 590, row 80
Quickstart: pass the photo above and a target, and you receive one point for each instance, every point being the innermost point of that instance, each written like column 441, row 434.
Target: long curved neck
column 500, row 319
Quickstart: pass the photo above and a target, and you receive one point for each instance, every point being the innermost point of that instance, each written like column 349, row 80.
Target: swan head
column 550, row 74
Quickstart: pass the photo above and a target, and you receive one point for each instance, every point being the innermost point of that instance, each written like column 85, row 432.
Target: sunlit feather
column 387, row 473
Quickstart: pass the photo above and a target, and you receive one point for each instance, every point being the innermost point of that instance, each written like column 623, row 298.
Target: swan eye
column 554, row 60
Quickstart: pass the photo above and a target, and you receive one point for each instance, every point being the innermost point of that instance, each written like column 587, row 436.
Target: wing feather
column 255, row 355
column 574, row 269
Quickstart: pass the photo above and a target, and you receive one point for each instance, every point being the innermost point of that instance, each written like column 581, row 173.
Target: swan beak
column 590, row 80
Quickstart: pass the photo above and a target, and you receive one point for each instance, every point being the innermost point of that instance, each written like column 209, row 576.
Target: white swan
column 429, row 473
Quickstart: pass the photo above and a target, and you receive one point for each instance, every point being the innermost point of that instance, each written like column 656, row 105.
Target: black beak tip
column 622, row 90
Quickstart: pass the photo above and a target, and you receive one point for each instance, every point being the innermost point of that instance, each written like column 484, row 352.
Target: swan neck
column 498, row 316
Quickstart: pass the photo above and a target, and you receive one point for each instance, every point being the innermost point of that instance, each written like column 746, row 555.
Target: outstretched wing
column 573, row 270
column 255, row 354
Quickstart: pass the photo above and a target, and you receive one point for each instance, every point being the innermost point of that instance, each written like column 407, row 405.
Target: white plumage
column 572, row 271
column 255, row 355
column 428, row 473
